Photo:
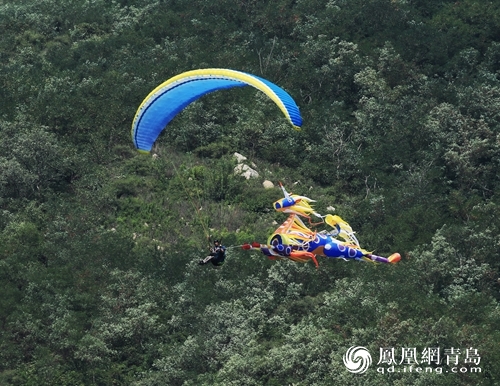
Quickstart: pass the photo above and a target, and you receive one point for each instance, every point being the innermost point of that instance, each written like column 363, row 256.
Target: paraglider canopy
column 170, row 97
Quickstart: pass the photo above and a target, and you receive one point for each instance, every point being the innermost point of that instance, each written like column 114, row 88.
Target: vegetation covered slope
column 99, row 245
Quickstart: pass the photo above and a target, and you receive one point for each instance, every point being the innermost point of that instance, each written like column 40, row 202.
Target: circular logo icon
column 357, row 359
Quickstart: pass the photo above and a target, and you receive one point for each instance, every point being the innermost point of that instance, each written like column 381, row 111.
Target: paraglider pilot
column 217, row 255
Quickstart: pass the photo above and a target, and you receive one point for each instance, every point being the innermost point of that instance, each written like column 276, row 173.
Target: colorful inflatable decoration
column 295, row 241
column 170, row 97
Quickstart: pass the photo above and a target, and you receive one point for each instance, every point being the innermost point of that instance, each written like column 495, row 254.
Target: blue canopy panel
column 166, row 104
column 292, row 111
column 169, row 98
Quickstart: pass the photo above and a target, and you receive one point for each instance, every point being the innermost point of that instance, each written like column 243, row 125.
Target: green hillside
column 99, row 244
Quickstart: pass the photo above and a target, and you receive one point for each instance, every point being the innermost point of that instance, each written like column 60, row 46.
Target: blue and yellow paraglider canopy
column 170, row 97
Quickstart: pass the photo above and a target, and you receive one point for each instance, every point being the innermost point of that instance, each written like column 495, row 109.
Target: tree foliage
column 99, row 245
